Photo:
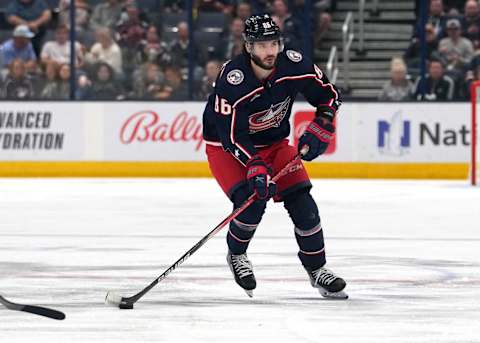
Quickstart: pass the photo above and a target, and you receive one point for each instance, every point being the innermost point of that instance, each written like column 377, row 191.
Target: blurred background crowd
column 172, row 49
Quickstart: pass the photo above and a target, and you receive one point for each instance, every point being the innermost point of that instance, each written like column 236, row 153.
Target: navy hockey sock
column 243, row 227
column 308, row 230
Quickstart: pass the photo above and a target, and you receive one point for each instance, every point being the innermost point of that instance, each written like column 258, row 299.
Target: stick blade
column 38, row 310
column 43, row 311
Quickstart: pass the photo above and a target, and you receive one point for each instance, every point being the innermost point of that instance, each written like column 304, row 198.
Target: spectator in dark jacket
column 413, row 53
column 104, row 85
column 33, row 13
column 18, row 86
column 212, row 68
column 438, row 86
column 471, row 22
column 179, row 52
column 436, row 17
column 232, row 43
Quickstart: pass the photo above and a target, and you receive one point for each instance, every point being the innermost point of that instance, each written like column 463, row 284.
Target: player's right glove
column 259, row 178
column 316, row 137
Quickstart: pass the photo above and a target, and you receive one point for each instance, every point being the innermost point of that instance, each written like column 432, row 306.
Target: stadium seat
column 94, row 3
column 4, row 25
column 207, row 40
column 4, row 3
column 168, row 36
column 53, row 4
column 4, row 35
column 149, row 5
column 172, row 19
column 211, row 21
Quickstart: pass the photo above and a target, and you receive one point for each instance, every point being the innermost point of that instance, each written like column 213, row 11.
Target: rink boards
column 374, row 140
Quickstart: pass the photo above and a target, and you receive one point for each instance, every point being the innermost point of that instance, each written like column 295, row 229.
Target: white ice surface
column 409, row 250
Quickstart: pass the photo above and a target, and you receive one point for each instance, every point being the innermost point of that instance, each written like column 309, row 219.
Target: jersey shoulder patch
column 235, row 77
column 294, row 56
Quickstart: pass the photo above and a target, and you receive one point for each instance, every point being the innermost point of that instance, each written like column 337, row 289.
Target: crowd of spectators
column 452, row 35
column 123, row 49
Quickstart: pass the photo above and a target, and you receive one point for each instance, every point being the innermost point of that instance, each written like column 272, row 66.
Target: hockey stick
column 41, row 311
column 127, row 302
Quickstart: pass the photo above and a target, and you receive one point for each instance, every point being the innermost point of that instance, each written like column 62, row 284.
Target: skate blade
column 249, row 292
column 333, row 295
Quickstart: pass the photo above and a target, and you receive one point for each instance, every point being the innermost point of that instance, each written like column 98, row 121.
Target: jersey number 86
column 222, row 106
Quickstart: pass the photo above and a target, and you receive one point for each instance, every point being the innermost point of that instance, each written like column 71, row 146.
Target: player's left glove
column 259, row 179
column 317, row 136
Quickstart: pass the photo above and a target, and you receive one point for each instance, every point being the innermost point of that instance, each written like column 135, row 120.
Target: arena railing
column 347, row 40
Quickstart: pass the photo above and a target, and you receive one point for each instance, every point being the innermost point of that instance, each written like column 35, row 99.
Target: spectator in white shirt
column 106, row 50
column 58, row 50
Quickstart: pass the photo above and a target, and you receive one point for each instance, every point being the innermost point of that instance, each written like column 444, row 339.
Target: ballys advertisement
column 152, row 131
column 168, row 131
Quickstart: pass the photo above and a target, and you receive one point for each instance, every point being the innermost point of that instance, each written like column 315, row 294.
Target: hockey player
column 246, row 128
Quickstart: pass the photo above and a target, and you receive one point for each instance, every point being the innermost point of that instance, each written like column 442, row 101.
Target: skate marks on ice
column 281, row 278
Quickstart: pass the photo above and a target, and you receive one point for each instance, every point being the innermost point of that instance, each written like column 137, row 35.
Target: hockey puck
column 125, row 306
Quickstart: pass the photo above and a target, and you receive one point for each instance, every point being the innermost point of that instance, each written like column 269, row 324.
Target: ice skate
column 242, row 270
column 329, row 285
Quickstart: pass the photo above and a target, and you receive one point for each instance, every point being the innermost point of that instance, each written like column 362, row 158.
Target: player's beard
column 262, row 65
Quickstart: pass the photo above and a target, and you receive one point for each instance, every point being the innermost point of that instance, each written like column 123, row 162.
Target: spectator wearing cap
column 19, row 46
column 455, row 49
column 33, row 13
column 438, row 86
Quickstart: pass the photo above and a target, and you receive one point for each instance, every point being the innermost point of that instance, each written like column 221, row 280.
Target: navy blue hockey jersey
column 245, row 113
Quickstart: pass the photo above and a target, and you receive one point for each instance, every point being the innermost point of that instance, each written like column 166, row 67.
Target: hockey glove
column 316, row 137
column 259, row 179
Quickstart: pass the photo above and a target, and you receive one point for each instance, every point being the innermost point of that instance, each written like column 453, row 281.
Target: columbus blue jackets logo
column 235, row 77
column 294, row 56
column 267, row 119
